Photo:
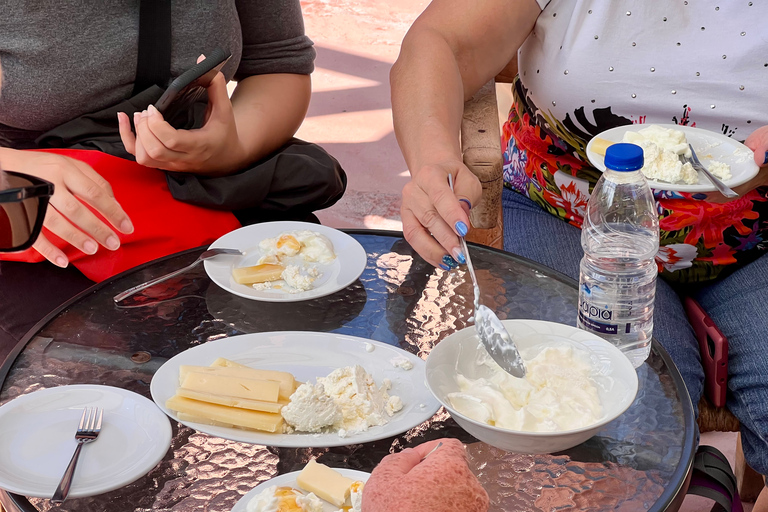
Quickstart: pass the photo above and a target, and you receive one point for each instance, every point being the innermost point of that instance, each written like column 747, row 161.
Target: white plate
column 708, row 146
column 37, row 440
column 344, row 270
column 307, row 355
column 289, row 480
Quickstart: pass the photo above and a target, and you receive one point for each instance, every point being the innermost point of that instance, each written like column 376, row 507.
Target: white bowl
column 614, row 376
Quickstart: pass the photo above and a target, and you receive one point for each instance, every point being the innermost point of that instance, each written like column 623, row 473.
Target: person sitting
column 232, row 161
column 585, row 67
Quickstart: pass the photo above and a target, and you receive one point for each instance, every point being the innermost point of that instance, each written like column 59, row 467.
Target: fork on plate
column 697, row 165
column 87, row 432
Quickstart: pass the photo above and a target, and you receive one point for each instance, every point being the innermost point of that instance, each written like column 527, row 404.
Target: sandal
column 713, row 478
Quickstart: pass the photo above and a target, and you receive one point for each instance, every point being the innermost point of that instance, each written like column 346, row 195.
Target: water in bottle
column 620, row 238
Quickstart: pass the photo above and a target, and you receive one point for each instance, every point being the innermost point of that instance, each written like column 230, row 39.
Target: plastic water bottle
column 620, row 237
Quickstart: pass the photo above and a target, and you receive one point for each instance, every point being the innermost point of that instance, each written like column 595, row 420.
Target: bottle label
column 594, row 325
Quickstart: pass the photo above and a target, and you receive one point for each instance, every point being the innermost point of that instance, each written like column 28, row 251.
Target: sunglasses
column 23, row 202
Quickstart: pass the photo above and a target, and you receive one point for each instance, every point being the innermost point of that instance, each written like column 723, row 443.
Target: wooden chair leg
column 748, row 481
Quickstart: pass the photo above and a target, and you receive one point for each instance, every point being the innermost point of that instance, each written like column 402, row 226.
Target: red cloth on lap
column 162, row 225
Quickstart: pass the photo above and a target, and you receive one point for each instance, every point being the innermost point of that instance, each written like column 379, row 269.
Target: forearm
column 268, row 110
column 427, row 100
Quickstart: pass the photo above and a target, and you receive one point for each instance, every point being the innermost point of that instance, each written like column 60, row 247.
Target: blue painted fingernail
column 766, row 158
column 459, row 256
column 445, row 267
column 450, row 261
column 470, row 204
column 461, row 228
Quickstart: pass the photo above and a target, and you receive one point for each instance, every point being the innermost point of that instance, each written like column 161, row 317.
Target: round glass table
column 641, row 461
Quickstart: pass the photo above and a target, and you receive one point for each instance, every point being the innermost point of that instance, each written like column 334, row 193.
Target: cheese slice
column 230, row 401
column 238, row 387
column 599, row 145
column 226, row 363
column 225, row 416
column 286, row 381
column 325, row 482
column 258, row 273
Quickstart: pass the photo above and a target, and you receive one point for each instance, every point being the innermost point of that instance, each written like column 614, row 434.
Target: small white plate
column 344, row 270
column 37, row 440
column 708, row 146
column 289, row 480
column 307, row 355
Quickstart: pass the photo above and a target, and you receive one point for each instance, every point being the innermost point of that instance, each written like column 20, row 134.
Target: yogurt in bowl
column 576, row 383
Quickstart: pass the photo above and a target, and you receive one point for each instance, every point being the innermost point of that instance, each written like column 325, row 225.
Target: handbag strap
column 154, row 62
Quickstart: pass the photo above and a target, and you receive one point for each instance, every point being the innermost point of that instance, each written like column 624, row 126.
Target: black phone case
column 190, row 86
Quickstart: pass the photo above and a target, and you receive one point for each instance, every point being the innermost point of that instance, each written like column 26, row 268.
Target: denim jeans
column 738, row 304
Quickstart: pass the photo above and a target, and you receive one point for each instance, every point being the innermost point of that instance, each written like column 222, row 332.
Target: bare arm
column 451, row 50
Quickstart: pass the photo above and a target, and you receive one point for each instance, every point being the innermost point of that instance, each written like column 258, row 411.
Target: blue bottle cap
column 624, row 157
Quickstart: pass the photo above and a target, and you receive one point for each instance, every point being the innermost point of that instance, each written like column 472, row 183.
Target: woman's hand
column 757, row 142
column 67, row 217
column 440, row 483
column 433, row 215
column 214, row 148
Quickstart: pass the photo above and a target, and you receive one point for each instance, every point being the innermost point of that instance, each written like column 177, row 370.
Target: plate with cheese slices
column 727, row 158
column 287, row 261
column 295, row 389
column 317, row 486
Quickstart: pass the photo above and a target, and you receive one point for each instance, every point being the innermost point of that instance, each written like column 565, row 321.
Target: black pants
column 28, row 292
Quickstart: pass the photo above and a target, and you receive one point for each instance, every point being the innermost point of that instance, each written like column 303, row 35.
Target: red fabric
column 162, row 225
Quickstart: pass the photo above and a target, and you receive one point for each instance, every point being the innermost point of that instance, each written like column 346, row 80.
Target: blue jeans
column 738, row 304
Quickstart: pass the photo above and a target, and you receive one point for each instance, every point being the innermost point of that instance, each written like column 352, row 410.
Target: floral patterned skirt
column 700, row 240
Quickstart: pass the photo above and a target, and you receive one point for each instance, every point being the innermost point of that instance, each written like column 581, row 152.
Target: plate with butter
column 662, row 144
column 316, row 487
column 295, row 389
column 287, row 261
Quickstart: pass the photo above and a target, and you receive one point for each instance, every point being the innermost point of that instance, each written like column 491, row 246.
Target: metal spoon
column 490, row 330
column 210, row 253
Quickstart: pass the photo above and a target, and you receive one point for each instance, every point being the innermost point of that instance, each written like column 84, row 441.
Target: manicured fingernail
column 467, row 202
column 450, row 261
column 62, row 261
column 113, row 243
column 120, row 117
column 461, row 228
column 766, row 158
column 459, row 256
column 89, row 247
column 126, row 226
column 445, row 267
column 152, row 110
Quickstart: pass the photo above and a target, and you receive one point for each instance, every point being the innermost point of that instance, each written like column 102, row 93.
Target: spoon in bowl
column 489, row 328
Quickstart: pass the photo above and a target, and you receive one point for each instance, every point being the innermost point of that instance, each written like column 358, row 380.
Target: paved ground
column 357, row 41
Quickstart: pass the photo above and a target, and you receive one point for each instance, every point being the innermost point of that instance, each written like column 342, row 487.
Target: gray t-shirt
column 64, row 58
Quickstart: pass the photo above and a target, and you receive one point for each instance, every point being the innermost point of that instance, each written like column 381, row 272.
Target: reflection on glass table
column 640, row 461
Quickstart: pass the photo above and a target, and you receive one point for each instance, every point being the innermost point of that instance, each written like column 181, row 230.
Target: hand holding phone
column 190, row 86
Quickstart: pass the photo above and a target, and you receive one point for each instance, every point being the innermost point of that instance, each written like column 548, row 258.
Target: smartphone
column 713, row 346
column 190, row 86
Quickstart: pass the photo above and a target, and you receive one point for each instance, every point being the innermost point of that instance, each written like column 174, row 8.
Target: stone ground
column 357, row 41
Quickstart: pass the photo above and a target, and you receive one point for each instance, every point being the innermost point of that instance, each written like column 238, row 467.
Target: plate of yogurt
column 287, row 261
column 342, row 389
column 662, row 144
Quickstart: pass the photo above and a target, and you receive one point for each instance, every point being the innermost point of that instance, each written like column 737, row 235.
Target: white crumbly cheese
column 401, row 362
column 298, row 280
column 357, row 403
column 267, row 285
column 664, row 165
column 667, row 139
column 311, row 409
column 369, row 347
column 556, row 394
column 719, row 169
column 267, row 501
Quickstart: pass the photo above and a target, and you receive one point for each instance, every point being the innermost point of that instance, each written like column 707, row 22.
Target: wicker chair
column 481, row 148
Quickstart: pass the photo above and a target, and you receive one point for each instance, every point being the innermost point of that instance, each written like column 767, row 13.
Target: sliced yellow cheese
column 224, row 415
column 286, row 381
column 325, row 482
column 600, row 145
column 258, row 273
column 238, row 387
column 230, row 401
column 226, row 363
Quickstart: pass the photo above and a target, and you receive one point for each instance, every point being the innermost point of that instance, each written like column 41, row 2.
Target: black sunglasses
column 23, row 203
